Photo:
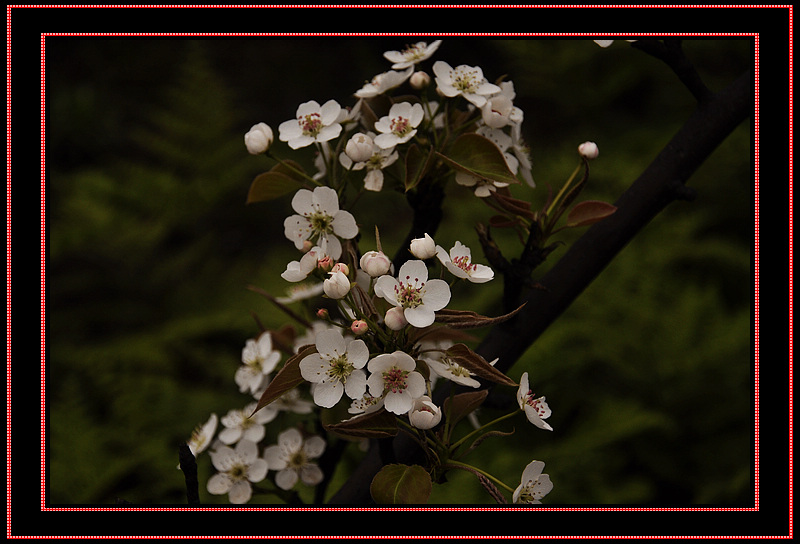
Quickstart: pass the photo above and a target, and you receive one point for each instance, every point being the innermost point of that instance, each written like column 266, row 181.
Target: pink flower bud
column 375, row 263
column 325, row 264
column 359, row 327
column 424, row 414
column 341, row 267
column 395, row 319
column 589, row 150
column 323, row 313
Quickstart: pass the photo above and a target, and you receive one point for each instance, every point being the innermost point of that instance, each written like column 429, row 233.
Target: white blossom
column 237, row 468
column 399, row 126
column 314, row 123
column 393, row 377
column 319, row 219
column 459, row 262
column 419, row 297
column 375, row 263
column 423, row 248
column 383, row 82
column 336, row 368
column 245, row 425
column 258, row 360
column 536, row 409
column 424, row 413
column 589, row 150
column 463, row 80
column 292, row 457
column 374, row 164
column 412, row 54
column 533, row 486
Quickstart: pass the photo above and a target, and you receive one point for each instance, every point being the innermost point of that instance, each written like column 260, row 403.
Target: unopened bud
column 323, row 313
column 395, row 318
column 420, row 80
column 341, row 267
column 359, row 327
column 375, row 263
column 588, row 150
column 359, row 147
column 258, row 139
column 423, row 248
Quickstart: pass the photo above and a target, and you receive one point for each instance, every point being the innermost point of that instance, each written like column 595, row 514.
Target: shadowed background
column 151, row 249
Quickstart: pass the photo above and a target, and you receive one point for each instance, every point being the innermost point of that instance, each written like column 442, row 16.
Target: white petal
column 286, row 479
column 344, row 225
column 240, row 492
column 385, row 287
column 327, row 394
column 357, row 353
column 257, row 471
column 313, row 368
column 414, row 270
column 274, row 459
column 398, row 403
column 356, row 384
column 327, row 200
column 436, row 295
column 311, row 474
column 314, row 446
column 219, row 484
column 247, row 450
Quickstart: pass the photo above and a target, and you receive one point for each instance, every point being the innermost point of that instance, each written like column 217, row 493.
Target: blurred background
column 151, row 249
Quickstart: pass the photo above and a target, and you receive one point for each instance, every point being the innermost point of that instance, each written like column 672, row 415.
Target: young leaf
column 287, row 378
column 463, row 404
column 379, row 424
column 280, row 180
column 401, row 484
column 589, row 212
column 417, row 164
column 467, row 319
column 465, row 357
column 480, row 157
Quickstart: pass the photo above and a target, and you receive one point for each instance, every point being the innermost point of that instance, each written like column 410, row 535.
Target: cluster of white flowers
column 372, row 340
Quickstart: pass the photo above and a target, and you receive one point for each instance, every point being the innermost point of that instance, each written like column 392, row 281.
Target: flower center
column 296, row 459
column 455, row 369
column 400, row 126
column 466, row 81
column 311, row 124
column 463, row 263
column 413, row 52
column 340, row 368
column 537, row 404
column 408, row 294
column 238, row 472
column 394, row 380
column 320, row 222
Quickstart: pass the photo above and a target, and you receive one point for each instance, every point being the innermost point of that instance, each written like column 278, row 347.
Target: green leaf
column 379, row 424
column 465, row 357
column 401, row 484
column 417, row 164
column 589, row 212
column 287, row 378
column 480, row 157
column 280, row 180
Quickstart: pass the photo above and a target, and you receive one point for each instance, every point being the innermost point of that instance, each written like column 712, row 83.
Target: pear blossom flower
column 393, row 376
column 420, row 80
column 411, row 55
column 202, row 435
column 292, row 457
column 297, row 271
column 246, row 425
column 419, row 297
column 522, row 152
column 258, row 360
column 336, row 286
column 424, row 413
column 423, row 248
column 446, row 368
column 482, row 187
column 319, row 219
column 365, row 405
column 399, row 126
column 533, row 486
column 463, row 80
column 237, row 468
column 336, row 368
column 314, row 123
column 383, row 82
column 359, row 147
column 536, row 409
column 258, row 138
column 459, row 262
column 374, row 163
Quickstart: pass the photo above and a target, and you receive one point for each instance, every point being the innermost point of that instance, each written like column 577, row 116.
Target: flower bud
column 341, row 267
column 420, row 80
column 423, row 248
column 395, row 318
column 337, row 286
column 359, row 147
column 359, row 327
column 258, row 139
column 588, row 150
column 424, row 413
column 323, row 313
column 325, row 264
column 375, row 263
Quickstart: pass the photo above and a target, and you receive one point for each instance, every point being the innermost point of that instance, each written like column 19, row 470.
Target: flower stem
column 470, row 468
column 458, row 444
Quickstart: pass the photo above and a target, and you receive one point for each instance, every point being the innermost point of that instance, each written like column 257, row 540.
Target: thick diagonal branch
column 661, row 183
